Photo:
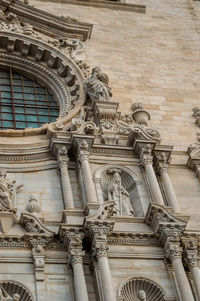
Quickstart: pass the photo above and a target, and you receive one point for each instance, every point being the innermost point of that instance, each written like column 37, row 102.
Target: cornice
column 138, row 8
column 136, row 239
column 47, row 23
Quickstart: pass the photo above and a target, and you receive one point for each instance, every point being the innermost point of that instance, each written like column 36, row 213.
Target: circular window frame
column 49, row 67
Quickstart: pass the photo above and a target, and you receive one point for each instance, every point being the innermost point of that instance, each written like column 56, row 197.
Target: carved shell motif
column 12, row 288
column 129, row 291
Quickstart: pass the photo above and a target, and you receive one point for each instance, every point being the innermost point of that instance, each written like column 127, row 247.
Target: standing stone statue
column 118, row 194
column 96, row 86
column 142, row 295
column 8, row 192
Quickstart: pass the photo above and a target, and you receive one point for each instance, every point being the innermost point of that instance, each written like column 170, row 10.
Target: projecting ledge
column 105, row 4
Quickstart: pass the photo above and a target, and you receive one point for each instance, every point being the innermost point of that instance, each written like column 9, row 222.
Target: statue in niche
column 118, row 194
column 142, row 295
column 8, row 192
column 96, row 86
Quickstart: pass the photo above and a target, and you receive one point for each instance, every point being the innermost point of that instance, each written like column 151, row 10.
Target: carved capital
column 101, row 250
column 83, row 156
column 76, row 256
column 174, row 251
column 146, row 160
column 62, row 162
column 163, row 168
column 191, row 252
column 62, row 157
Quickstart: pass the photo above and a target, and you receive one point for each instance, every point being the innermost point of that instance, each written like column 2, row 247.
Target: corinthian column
column 65, row 180
column 80, row 288
column 147, row 161
column 83, row 157
column 171, row 196
column 175, row 254
column 101, row 252
column 191, row 254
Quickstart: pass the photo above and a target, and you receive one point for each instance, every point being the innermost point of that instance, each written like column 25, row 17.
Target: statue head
column 142, row 295
column 2, row 173
column 16, row 297
column 96, row 70
column 116, row 177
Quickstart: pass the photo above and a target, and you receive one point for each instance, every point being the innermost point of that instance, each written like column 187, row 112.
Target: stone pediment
column 46, row 23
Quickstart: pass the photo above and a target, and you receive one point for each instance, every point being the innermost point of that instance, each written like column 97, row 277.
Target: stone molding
column 66, row 84
column 47, row 23
column 138, row 8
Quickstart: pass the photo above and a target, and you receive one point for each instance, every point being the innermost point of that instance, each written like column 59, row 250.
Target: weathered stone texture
column 153, row 58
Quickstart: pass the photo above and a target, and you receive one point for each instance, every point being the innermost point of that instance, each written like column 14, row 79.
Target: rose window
column 24, row 103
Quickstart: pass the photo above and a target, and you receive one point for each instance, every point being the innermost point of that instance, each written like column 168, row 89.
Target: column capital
column 83, row 151
column 162, row 168
column 62, row 157
column 191, row 252
column 174, row 252
column 76, row 256
column 101, row 250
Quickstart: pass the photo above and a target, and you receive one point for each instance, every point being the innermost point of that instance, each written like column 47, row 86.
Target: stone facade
column 103, row 204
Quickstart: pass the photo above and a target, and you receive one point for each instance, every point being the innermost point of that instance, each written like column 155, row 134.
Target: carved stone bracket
column 164, row 224
column 39, row 261
column 34, row 226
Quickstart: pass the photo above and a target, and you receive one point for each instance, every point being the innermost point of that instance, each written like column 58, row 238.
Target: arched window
column 24, row 103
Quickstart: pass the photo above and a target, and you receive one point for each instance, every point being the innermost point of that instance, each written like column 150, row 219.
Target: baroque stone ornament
column 96, row 86
column 118, row 194
column 139, row 114
column 8, row 192
column 141, row 289
column 14, row 291
column 33, row 205
column 196, row 114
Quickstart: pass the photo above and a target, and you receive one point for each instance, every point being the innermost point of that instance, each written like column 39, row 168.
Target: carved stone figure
column 96, row 86
column 4, row 295
column 118, row 194
column 142, row 295
column 16, row 297
column 8, row 192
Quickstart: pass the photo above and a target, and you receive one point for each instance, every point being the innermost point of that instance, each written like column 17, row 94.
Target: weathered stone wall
column 151, row 57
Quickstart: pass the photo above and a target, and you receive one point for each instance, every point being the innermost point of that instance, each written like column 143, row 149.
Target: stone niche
column 129, row 181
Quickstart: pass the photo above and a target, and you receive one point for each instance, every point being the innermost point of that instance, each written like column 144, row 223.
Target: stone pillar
column 174, row 253
column 39, row 264
column 65, row 180
column 147, row 161
column 83, row 157
column 171, row 196
column 101, row 251
column 191, row 257
column 80, row 288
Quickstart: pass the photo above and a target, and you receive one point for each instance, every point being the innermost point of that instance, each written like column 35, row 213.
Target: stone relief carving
column 196, row 114
column 142, row 295
column 4, row 296
column 118, row 194
column 140, row 289
column 33, row 205
column 8, row 192
column 96, row 86
column 10, row 22
column 14, row 291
